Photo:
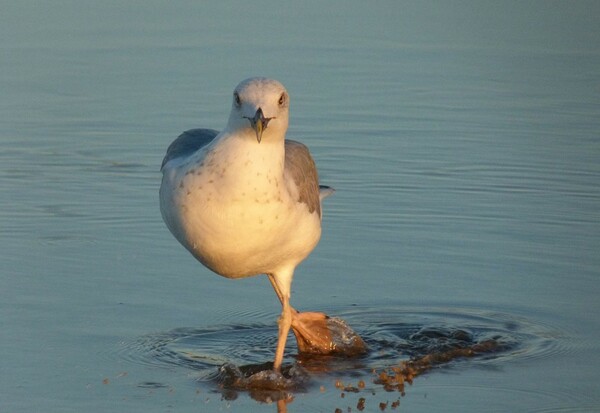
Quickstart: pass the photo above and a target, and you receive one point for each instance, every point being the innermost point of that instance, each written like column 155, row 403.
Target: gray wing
column 188, row 142
column 301, row 167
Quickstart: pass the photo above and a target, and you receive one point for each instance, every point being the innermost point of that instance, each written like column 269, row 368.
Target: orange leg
column 285, row 322
column 281, row 284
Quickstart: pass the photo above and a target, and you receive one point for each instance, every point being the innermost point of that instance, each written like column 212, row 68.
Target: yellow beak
column 259, row 123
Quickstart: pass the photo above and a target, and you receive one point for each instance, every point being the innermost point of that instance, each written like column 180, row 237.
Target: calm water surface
column 464, row 144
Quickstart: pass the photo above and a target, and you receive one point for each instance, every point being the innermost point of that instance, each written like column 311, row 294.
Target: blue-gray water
column 463, row 140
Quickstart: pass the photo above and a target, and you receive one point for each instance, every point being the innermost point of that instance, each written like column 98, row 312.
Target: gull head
column 260, row 109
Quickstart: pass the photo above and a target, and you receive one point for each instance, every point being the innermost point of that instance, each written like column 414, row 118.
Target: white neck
column 243, row 158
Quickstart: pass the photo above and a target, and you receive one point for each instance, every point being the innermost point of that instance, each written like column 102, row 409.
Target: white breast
column 230, row 206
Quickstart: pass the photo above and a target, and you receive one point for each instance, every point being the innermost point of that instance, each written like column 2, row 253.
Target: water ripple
column 392, row 334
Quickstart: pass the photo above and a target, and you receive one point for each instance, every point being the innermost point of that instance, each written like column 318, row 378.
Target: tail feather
column 325, row 191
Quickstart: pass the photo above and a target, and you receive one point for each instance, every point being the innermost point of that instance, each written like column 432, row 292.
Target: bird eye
column 282, row 99
column 236, row 99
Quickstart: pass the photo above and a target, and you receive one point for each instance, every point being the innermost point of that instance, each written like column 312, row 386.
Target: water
column 463, row 142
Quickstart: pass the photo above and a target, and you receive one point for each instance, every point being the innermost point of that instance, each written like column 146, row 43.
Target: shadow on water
column 403, row 344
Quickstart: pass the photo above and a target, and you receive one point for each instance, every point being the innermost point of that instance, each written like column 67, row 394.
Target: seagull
column 247, row 201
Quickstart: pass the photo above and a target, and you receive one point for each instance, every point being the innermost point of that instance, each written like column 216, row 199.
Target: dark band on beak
column 259, row 123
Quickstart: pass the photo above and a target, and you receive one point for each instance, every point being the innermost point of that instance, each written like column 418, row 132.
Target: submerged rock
column 262, row 377
column 261, row 382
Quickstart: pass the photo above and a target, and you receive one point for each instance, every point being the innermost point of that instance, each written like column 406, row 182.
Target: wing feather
column 300, row 165
column 188, row 142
